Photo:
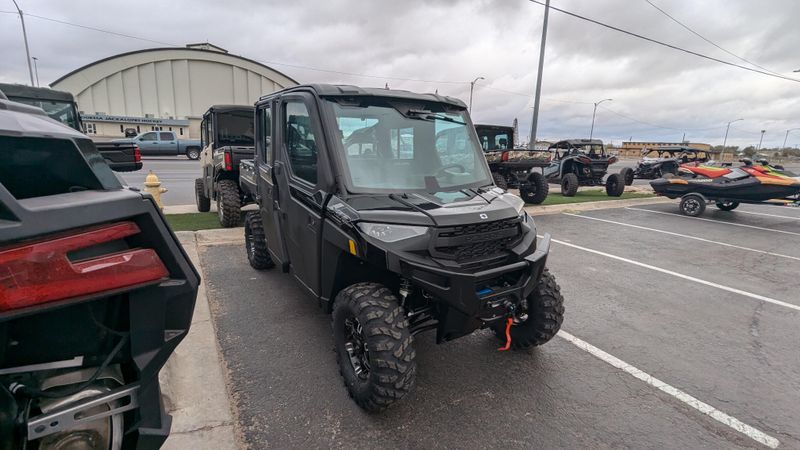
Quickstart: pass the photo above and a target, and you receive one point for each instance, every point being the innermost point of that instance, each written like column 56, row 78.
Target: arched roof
column 169, row 82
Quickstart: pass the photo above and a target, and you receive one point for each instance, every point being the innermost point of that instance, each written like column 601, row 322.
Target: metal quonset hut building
column 165, row 88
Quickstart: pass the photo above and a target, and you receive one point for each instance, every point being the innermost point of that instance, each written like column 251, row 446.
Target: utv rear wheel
column 727, row 206
column 535, row 190
column 229, row 203
column 627, row 175
column 203, row 202
column 692, row 205
column 500, row 181
column 373, row 345
column 255, row 242
column 545, row 313
column 615, row 186
column 569, row 185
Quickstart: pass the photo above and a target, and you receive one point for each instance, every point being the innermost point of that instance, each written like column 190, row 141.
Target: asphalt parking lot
column 176, row 173
column 679, row 333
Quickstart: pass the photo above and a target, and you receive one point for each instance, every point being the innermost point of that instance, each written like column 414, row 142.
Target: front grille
column 483, row 240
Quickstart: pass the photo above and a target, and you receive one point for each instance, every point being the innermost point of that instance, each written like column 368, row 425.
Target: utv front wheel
column 544, row 314
column 535, row 190
column 627, row 175
column 255, row 242
column 569, row 185
column 229, row 203
column 373, row 345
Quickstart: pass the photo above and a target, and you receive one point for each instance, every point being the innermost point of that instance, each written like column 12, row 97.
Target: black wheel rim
column 356, row 347
column 691, row 206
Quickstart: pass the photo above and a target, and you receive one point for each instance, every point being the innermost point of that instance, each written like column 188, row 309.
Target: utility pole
column 787, row 136
column 594, row 112
column 761, row 140
column 25, row 38
column 535, row 119
column 472, row 88
column 725, row 141
column 683, row 139
column 36, row 69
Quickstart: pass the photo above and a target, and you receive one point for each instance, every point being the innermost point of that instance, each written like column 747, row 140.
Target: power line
column 664, row 44
column 99, row 29
column 706, row 39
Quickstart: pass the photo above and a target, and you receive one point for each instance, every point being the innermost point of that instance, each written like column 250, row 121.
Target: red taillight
column 584, row 160
column 41, row 272
column 228, row 163
column 137, row 155
column 504, row 157
column 612, row 160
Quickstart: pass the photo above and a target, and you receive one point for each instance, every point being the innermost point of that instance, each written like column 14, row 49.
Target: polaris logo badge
column 484, row 216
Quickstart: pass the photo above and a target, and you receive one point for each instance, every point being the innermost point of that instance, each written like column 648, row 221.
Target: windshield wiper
column 423, row 114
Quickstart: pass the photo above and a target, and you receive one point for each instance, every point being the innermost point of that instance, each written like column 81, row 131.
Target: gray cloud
column 460, row 40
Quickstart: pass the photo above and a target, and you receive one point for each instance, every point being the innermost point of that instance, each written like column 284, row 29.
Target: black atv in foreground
column 227, row 139
column 513, row 167
column 95, row 294
column 395, row 235
column 583, row 162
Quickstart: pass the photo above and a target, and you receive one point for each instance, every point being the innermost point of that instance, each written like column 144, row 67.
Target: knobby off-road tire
column 627, row 175
column 203, row 202
column 385, row 334
column 569, row 185
column 545, row 315
column 255, row 242
column 615, row 186
column 535, row 190
column 500, row 181
column 229, row 204
column 727, row 206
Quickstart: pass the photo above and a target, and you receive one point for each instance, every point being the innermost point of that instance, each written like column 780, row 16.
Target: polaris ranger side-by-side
column 227, row 138
column 95, row 294
column 392, row 230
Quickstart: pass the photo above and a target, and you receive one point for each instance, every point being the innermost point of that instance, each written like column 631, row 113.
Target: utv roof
column 20, row 90
column 17, row 119
column 229, row 108
column 579, row 142
column 342, row 90
column 494, row 127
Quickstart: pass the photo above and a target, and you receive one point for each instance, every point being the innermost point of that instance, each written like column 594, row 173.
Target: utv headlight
column 389, row 232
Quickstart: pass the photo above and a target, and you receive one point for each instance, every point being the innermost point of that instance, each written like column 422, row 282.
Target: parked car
column 661, row 161
column 95, row 294
column 227, row 138
column 165, row 143
column 393, row 238
column 513, row 167
column 61, row 106
column 583, row 162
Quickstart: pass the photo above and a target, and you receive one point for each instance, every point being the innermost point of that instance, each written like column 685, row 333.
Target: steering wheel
column 443, row 169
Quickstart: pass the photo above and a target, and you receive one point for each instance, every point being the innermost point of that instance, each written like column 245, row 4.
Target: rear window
column 37, row 167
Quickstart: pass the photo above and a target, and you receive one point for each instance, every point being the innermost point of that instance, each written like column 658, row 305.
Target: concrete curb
column 590, row 206
column 193, row 379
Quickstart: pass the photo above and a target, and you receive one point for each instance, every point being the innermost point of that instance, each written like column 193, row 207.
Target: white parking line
column 715, row 221
column 732, row 422
column 684, row 236
column 685, row 277
column 768, row 215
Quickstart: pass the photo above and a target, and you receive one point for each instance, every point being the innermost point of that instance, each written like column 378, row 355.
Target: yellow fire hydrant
column 153, row 187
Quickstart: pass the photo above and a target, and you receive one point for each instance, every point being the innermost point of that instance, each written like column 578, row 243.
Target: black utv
column 394, row 228
column 95, row 294
column 659, row 162
column 511, row 166
column 227, row 138
column 583, row 162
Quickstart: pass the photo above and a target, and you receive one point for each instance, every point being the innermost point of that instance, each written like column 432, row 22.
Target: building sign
column 133, row 120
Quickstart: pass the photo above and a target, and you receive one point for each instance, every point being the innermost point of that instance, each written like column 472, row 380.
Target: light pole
column 536, row 97
column 594, row 112
column 25, row 38
column 472, row 88
column 36, row 69
column 761, row 140
column 725, row 141
column 787, row 136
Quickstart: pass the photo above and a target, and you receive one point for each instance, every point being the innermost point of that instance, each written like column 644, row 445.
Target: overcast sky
column 450, row 43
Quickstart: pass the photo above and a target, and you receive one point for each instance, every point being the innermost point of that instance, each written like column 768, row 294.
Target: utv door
column 267, row 190
column 295, row 173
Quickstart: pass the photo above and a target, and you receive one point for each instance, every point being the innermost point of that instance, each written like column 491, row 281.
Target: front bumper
column 475, row 300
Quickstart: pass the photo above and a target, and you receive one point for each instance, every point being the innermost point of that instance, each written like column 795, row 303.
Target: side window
column 167, row 136
column 149, row 137
column 265, row 118
column 300, row 142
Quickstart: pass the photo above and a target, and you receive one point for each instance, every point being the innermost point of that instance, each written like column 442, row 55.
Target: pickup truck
column 164, row 143
column 60, row 106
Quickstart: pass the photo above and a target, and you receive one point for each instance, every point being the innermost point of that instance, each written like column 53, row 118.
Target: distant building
column 635, row 148
column 165, row 88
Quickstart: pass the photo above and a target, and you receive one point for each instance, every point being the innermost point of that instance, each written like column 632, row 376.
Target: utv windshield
column 409, row 148
column 63, row 112
column 235, row 129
